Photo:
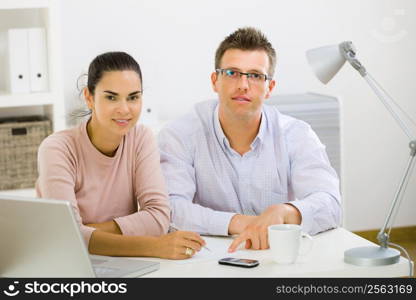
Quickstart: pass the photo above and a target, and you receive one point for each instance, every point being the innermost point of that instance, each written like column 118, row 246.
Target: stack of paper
column 322, row 113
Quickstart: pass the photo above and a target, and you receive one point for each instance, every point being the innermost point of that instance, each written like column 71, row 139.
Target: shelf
column 49, row 103
column 19, row 100
column 21, row 4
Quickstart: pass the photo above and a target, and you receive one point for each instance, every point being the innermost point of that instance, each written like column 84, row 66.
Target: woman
column 108, row 167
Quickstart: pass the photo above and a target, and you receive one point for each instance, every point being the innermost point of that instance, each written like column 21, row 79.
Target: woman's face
column 116, row 103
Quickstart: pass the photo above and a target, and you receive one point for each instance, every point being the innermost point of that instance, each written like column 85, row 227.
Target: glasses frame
column 248, row 75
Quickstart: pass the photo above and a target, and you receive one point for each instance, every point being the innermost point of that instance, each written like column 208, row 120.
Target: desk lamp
column 326, row 62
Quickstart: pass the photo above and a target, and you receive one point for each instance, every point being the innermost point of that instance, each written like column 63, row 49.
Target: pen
column 173, row 228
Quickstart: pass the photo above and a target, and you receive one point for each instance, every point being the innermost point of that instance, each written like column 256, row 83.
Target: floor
column 403, row 236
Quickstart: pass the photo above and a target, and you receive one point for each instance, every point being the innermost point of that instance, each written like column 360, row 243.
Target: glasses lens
column 253, row 78
column 231, row 73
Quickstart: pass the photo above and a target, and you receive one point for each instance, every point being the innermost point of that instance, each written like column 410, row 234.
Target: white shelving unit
column 25, row 14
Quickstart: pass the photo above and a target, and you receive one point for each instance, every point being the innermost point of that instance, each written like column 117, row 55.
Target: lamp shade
column 325, row 61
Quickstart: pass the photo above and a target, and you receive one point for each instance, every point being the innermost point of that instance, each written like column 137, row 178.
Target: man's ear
column 270, row 88
column 89, row 98
column 214, row 78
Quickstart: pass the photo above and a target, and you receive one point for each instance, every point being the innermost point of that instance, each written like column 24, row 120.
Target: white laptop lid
column 40, row 238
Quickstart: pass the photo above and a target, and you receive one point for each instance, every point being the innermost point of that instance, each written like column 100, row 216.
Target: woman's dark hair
column 110, row 61
column 107, row 62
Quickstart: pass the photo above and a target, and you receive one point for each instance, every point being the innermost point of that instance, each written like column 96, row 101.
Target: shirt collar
column 258, row 140
column 218, row 130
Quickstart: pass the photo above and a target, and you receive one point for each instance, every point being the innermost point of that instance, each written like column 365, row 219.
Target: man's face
column 241, row 97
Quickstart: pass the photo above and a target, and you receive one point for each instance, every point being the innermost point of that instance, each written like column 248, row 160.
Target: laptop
column 40, row 238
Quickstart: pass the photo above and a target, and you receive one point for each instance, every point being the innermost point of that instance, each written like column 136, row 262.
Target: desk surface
column 324, row 260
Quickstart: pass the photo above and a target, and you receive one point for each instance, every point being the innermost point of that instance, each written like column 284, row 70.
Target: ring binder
column 37, row 59
column 18, row 60
column 27, row 59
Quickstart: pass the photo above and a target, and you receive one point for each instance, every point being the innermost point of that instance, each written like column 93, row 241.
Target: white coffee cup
column 287, row 242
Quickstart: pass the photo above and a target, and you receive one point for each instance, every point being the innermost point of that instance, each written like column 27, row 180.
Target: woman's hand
column 174, row 245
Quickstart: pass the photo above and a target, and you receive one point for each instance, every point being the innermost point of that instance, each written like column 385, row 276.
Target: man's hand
column 254, row 232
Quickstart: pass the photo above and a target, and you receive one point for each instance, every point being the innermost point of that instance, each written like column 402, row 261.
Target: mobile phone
column 239, row 262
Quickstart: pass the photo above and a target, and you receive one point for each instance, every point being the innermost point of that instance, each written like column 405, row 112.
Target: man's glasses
column 253, row 78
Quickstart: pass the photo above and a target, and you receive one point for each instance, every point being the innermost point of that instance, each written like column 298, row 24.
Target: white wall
column 175, row 41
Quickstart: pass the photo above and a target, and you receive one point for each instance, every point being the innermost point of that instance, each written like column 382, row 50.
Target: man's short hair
column 247, row 38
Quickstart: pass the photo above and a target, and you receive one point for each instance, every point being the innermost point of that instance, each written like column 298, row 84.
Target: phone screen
column 241, row 262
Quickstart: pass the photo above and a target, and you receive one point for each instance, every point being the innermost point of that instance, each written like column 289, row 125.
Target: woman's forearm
column 109, row 226
column 112, row 244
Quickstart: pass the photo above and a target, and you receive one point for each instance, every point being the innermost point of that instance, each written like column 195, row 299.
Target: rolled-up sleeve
column 153, row 216
column 314, row 182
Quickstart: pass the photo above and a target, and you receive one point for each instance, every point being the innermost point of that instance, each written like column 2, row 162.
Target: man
column 236, row 166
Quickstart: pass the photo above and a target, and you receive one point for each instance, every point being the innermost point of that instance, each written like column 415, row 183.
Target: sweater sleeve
column 57, row 174
column 150, row 191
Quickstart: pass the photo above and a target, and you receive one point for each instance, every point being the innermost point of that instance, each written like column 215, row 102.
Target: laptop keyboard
column 104, row 270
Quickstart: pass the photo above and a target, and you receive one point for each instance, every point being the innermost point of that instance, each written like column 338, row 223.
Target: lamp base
column 371, row 256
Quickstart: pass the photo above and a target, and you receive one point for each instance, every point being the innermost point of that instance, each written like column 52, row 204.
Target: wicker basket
column 19, row 142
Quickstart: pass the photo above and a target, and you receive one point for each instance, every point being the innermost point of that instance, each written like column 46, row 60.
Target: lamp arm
column 387, row 100
column 383, row 236
column 348, row 51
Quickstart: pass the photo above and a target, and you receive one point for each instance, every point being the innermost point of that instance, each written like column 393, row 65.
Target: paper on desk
column 218, row 248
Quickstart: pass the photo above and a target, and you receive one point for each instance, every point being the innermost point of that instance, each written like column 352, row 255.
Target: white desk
column 325, row 260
